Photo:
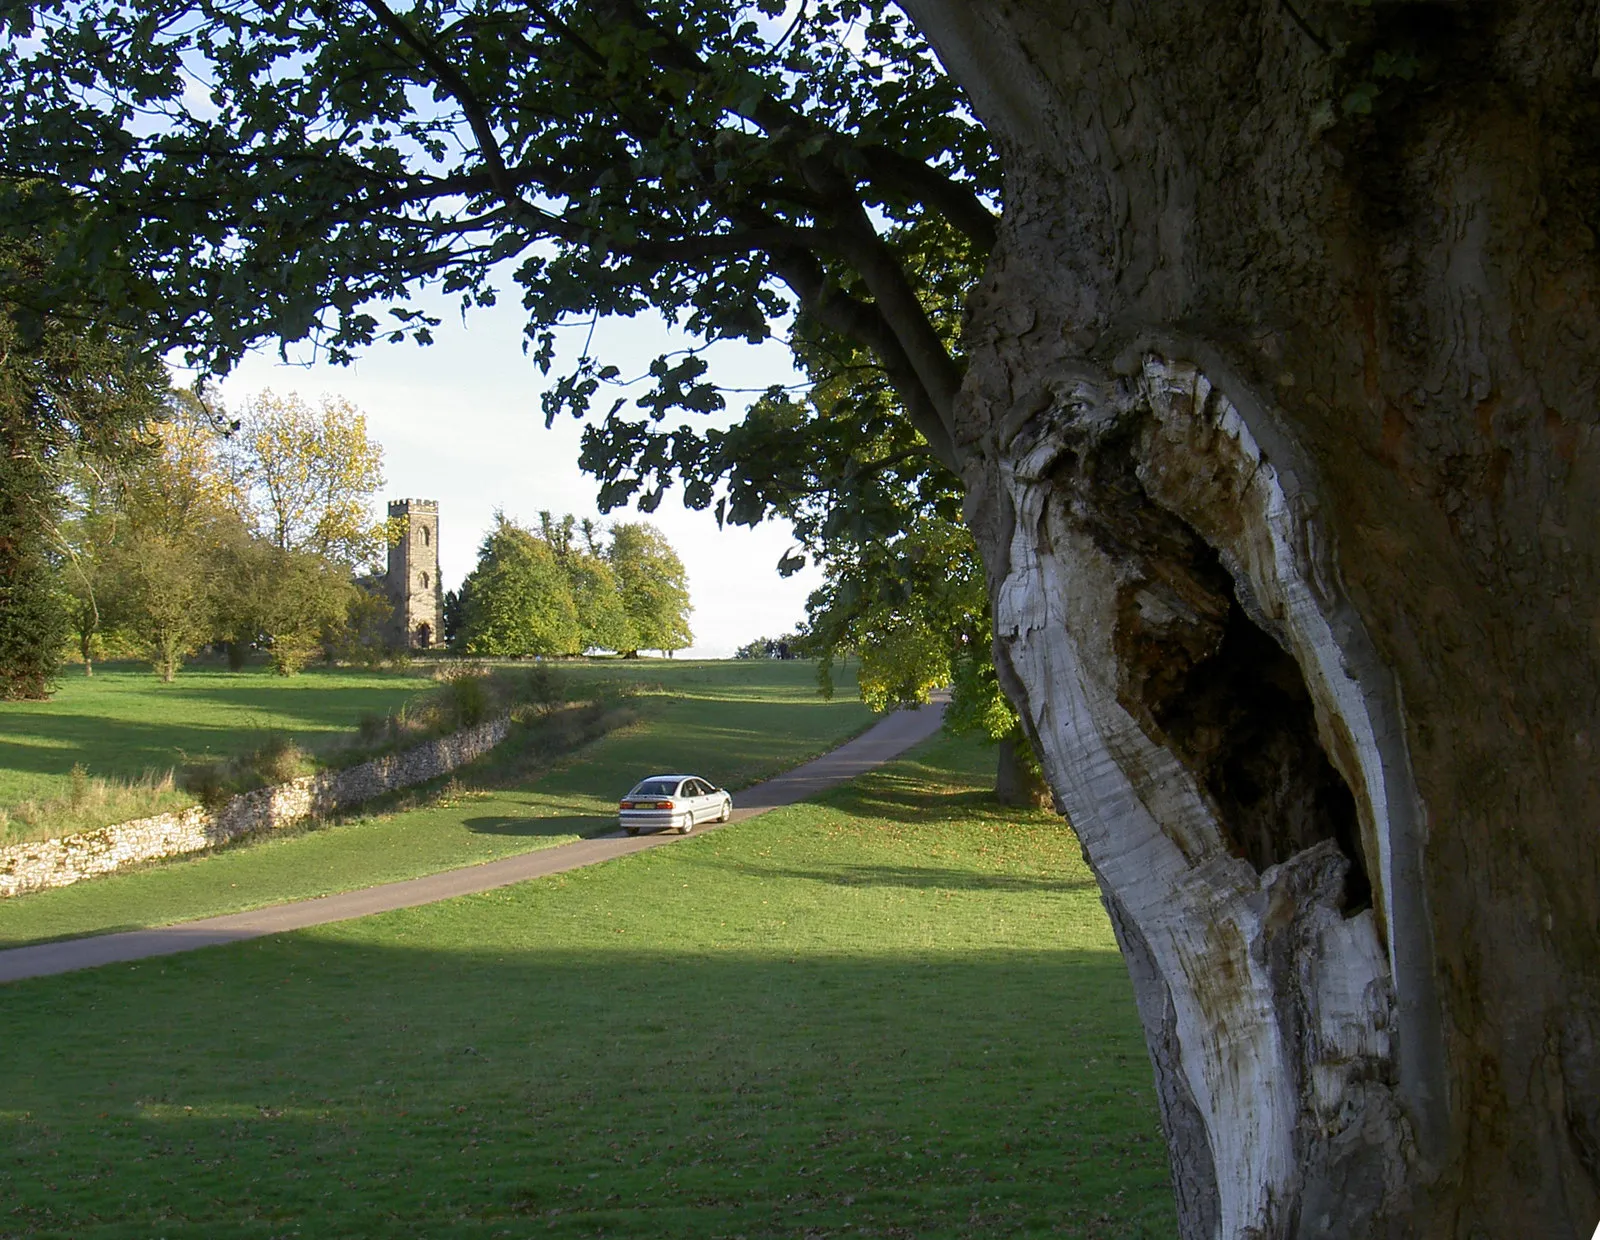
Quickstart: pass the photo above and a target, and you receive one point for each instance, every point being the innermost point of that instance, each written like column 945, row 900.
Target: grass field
column 894, row 1012
column 105, row 750
column 734, row 723
column 123, row 721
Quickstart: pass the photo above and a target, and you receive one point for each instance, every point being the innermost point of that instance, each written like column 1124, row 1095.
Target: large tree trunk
column 1278, row 433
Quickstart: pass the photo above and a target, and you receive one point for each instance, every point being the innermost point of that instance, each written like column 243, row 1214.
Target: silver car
column 673, row 803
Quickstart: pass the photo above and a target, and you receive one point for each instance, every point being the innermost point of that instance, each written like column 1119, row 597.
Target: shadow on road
column 538, row 828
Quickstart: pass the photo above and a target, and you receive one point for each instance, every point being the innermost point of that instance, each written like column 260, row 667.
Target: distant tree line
column 140, row 520
column 788, row 646
column 193, row 527
column 569, row 588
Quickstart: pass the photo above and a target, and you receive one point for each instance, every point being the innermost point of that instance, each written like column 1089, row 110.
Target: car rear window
column 656, row 788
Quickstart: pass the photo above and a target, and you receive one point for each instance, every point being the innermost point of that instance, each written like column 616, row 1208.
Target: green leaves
column 517, row 601
column 653, row 584
column 279, row 170
column 68, row 392
column 549, row 594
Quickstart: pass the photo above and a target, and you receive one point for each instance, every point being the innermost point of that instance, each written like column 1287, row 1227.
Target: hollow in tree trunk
column 1279, row 440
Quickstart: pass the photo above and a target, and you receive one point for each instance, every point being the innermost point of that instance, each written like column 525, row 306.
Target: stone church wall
column 412, row 579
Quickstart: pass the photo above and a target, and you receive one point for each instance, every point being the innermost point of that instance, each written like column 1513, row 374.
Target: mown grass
column 896, row 1012
column 105, row 749
column 733, row 730
column 123, row 721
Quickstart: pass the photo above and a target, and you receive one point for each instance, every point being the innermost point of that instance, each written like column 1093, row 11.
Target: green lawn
column 123, row 721
column 733, row 723
column 125, row 725
column 896, row 1012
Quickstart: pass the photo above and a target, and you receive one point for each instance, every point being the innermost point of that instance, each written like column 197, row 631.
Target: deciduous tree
column 164, row 585
column 308, row 474
column 603, row 620
column 292, row 603
column 912, row 606
column 70, row 391
column 654, row 587
column 517, row 601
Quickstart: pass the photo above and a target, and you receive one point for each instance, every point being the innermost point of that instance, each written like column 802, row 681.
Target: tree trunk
column 1278, row 436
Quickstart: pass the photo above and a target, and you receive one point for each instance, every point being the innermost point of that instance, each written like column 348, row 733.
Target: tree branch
column 864, row 322
column 883, row 164
column 897, row 302
column 888, row 169
column 447, row 77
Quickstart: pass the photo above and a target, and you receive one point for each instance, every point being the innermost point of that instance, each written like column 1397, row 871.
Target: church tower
column 413, row 577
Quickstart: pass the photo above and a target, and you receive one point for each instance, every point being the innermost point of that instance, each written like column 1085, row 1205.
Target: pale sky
column 460, row 422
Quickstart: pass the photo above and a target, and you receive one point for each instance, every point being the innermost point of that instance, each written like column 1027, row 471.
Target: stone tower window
column 424, row 581
column 424, row 541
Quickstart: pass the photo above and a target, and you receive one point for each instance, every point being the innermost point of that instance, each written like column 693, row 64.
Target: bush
column 290, row 652
column 78, row 797
column 277, row 760
column 207, row 782
column 215, row 781
column 543, row 686
column 466, row 697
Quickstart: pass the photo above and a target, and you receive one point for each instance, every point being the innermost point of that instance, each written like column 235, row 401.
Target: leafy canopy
column 306, row 476
column 517, row 600
column 298, row 170
column 653, row 585
column 72, row 396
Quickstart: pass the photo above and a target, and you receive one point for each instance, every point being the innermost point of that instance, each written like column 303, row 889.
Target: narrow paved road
column 887, row 739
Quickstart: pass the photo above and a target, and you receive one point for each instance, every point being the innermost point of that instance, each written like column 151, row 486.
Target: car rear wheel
column 632, row 830
column 688, row 824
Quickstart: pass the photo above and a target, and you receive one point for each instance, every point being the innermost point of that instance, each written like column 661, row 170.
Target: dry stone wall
column 41, row 864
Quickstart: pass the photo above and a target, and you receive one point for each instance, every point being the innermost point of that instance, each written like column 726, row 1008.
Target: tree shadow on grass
column 362, row 1088
column 906, row 801
column 124, row 750
column 938, row 878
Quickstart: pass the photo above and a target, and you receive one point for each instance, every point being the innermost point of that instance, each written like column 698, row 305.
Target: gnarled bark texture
column 1279, row 440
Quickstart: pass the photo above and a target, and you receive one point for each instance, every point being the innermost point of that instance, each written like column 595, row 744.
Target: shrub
column 468, row 700
column 277, row 760
column 207, row 782
column 214, row 781
column 464, row 695
column 543, row 686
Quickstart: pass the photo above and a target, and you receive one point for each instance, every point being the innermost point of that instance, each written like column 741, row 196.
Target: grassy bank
column 123, row 721
column 123, row 745
column 732, row 724
column 893, row 1013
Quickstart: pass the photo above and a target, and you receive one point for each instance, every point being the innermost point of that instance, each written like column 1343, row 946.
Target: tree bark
column 1278, row 435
